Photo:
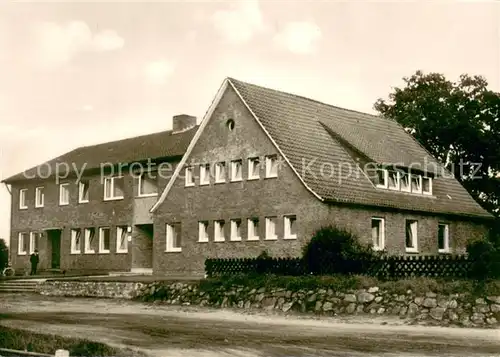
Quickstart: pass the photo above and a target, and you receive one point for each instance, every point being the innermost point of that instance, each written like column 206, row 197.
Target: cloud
column 299, row 37
column 59, row 44
column 240, row 23
column 157, row 72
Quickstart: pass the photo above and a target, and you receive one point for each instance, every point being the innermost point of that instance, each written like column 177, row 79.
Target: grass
column 22, row 340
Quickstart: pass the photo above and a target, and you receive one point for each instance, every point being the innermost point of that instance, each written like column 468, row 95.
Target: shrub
column 4, row 255
column 485, row 257
column 334, row 250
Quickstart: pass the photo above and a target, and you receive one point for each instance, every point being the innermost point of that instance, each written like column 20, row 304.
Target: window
column 220, row 172
column 236, row 229
column 205, row 174
column 147, row 184
column 378, row 233
column 189, row 176
column 113, row 188
column 381, row 178
column 427, row 185
column 411, row 236
column 253, row 168
column 271, row 228
column 416, row 183
column 63, row 194
column 404, row 180
column 290, row 224
column 272, row 166
column 104, row 240
column 121, row 239
column 39, row 197
column 203, row 231
column 236, row 170
column 22, row 198
column 83, row 191
column 219, row 231
column 173, row 237
column 230, row 124
column 443, row 238
column 22, row 243
column 76, row 241
column 34, row 241
column 393, row 180
column 253, row 229
column 89, row 240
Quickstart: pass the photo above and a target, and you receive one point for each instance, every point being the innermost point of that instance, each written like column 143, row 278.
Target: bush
column 485, row 257
column 333, row 250
column 4, row 255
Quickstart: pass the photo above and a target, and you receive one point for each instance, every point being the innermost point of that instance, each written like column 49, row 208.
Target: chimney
column 182, row 122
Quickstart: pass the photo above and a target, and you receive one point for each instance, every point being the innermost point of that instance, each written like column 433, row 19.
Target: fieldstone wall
column 453, row 309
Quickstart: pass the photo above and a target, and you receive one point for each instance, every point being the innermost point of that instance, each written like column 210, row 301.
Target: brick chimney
column 182, row 122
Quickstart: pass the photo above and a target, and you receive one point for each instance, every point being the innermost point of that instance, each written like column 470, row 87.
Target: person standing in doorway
column 34, row 259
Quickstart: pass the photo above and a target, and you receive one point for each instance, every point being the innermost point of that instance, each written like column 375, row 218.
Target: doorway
column 54, row 240
column 142, row 247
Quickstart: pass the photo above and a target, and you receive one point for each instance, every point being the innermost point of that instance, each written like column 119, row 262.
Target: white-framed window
column 113, row 188
column 104, row 240
column 378, row 233
column 122, row 239
column 236, row 170
column 416, row 183
column 427, row 185
column 219, row 231
column 404, row 182
column 63, row 194
column 89, row 241
column 203, row 231
column 253, row 168
column 205, row 174
column 76, row 242
column 147, row 184
column 83, row 191
column 220, row 172
column 393, row 180
column 22, row 243
column 34, row 241
column 290, row 227
column 236, row 229
column 253, row 228
column 272, row 166
column 173, row 237
column 443, row 238
column 189, row 176
column 39, row 197
column 381, row 178
column 23, row 204
column 411, row 236
column 271, row 228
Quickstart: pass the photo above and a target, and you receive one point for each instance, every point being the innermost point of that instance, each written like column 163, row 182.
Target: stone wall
column 440, row 309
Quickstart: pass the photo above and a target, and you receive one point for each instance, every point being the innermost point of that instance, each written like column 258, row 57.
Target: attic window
column 230, row 124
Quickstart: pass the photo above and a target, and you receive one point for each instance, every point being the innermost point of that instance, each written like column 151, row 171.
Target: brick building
column 263, row 171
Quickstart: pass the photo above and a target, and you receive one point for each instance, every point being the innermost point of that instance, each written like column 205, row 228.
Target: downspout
column 10, row 233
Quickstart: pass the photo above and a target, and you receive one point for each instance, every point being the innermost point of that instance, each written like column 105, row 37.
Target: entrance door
column 142, row 248
column 55, row 247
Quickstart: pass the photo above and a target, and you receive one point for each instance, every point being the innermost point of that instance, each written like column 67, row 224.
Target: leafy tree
column 4, row 255
column 458, row 123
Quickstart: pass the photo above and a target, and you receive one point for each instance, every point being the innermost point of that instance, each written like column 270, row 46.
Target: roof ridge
column 127, row 138
column 310, row 99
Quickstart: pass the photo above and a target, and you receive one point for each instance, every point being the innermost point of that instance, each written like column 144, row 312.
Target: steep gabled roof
column 312, row 137
column 137, row 149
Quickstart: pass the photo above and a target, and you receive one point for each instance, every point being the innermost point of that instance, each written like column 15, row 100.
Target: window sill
column 219, row 240
column 147, row 195
column 442, row 251
column 378, row 249
column 217, row 182
column 203, row 241
column 22, row 253
column 63, row 203
column 74, row 253
column 235, row 239
column 190, row 185
column 290, row 238
column 253, row 239
column 90, row 252
column 87, row 201
column 411, row 250
column 23, row 208
column 39, row 206
column 253, row 178
column 104, row 252
column 271, row 238
column 173, row 250
column 205, row 184
column 121, row 251
column 271, row 177
column 237, row 180
column 113, row 199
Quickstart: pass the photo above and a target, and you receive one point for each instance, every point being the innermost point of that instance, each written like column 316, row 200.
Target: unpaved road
column 160, row 330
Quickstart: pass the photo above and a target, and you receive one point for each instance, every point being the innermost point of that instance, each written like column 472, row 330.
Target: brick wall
column 279, row 196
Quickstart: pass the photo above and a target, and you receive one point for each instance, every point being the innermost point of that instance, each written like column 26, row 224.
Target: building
column 263, row 171
column 89, row 209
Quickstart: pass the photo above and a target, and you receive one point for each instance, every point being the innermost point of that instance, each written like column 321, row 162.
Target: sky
column 85, row 72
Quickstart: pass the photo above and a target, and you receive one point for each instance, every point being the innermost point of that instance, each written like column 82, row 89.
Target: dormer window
column 393, row 180
column 426, row 185
column 381, row 178
column 403, row 181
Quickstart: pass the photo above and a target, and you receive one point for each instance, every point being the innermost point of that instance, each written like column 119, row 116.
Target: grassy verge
column 343, row 283
column 22, row 340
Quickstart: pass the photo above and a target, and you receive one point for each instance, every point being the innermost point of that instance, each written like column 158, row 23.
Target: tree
column 458, row 123
column 4, row 255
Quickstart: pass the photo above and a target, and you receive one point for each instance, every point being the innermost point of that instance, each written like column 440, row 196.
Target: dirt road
column 168, row 331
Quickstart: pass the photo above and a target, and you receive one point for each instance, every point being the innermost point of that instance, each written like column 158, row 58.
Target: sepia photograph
column 249, row 178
